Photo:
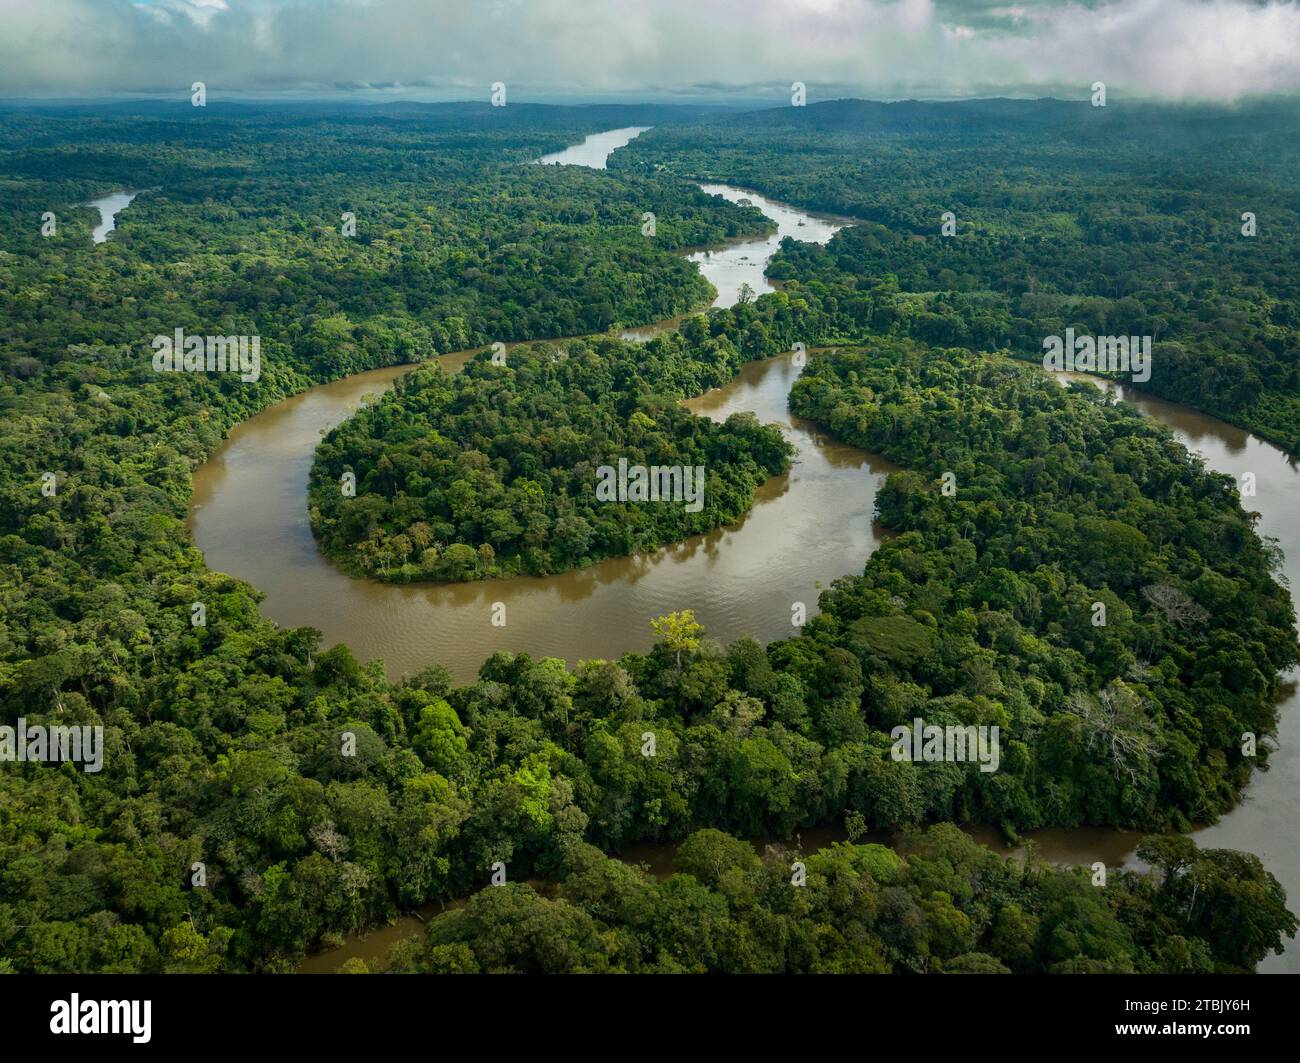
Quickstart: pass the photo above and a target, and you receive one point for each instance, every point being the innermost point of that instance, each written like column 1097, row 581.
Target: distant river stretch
column 109, row 207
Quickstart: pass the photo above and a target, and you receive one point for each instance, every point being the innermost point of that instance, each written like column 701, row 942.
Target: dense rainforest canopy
column 227, row 742
column 1024, row 508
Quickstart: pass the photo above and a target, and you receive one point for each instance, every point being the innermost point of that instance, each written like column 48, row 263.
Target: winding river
column 1267, row 821
column 249, row 516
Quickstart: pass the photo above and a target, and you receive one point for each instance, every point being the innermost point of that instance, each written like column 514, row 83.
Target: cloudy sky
column 455, row 49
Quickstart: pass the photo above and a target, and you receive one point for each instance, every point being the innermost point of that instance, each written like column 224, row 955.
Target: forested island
column 496, row 471
column 321, row 798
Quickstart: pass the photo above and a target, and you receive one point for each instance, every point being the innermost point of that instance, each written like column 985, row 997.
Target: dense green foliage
column 1121, row 220
column 459, row 241
column 985, row 605
column 494, row 471
column 945, row 905
column 225, row 743
column 242, row 237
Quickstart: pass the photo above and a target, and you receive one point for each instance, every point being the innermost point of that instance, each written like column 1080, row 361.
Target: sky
column 696, row 50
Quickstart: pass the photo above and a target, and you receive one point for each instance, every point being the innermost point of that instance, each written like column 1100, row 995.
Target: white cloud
column 1178, row 48
column 1219, row 49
